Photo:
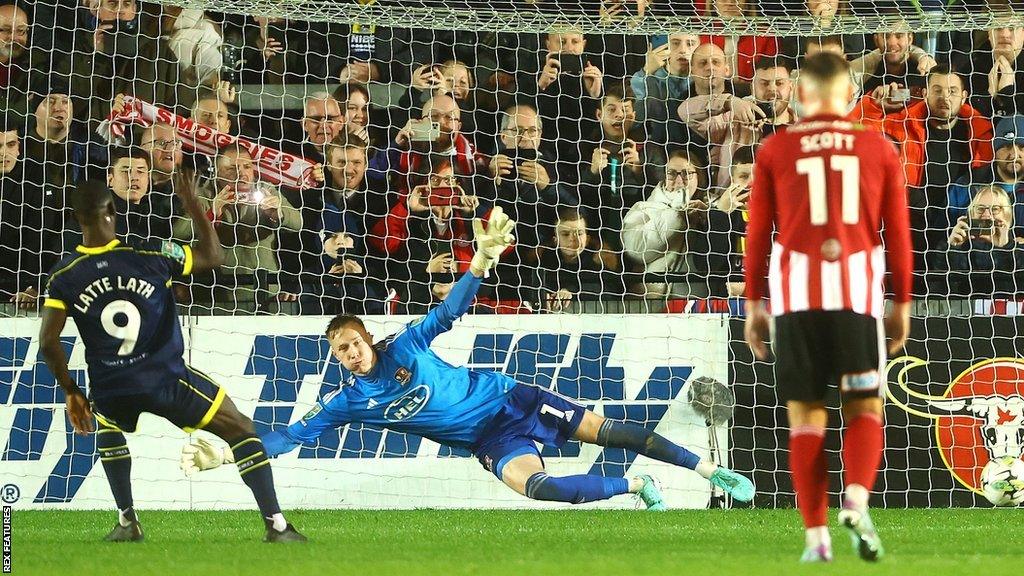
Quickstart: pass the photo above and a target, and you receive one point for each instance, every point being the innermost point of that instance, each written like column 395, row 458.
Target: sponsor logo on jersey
column 403, row 375
column 980, row 416
column 408, row 405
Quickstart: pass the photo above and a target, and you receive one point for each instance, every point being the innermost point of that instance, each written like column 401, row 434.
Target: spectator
column 995, row 73
column 247, row 215
column 455, row 79
column 322, row 122
column 654, row 231
column 408, row 155
column 523, row 177
column 719, row 252
column 116, row 48
column 740, row 51
column 896, row 62
column 20, row 64
column 142, row 216
column 30, row 223
column 1006, row 171
column 55, row 149
column 332, row 270
column 212, row 111
column 163, row 145
column 824, row 12
column 576, row 265
column 983, row 256
column 568, row 88
column 662, row 84
column 714, row 109
column 814, row 45
column 621, row 168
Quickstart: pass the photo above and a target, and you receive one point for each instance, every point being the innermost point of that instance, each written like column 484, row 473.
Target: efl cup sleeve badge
column 403, row 375
column 979, row 418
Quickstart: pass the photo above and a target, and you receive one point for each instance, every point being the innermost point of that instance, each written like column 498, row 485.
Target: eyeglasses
column 450, row 117
column 436, row 180
column 994, row 208
column 671, row 175
column 527, row 131
column 163, row 144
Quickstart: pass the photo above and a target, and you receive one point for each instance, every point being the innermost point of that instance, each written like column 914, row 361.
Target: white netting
column 622, row 145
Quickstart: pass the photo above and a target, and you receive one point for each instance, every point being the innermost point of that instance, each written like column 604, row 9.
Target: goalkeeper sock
column 117, row 464
column 616, row 434
column 863, row 444
column 254, row 468
column 810, row 476
column 574, row 489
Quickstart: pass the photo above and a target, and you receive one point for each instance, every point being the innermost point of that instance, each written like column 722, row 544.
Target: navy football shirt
column 121, row 301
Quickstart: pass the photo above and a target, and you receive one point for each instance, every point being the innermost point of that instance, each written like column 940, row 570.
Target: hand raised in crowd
column 745, row 112
column 26, row 299
column 883, row 96
column 534, row 173
column 337, row 242
column 735, row 197
column 441, row 263
column 427, row 77
column 631, row 154
column 598, row 160
column 1001, row 76
column 226, row 93
column 270, row 203
column 500, row 165
column 359, row 72
column 268, row 45
column 610, row 10
column 656, row 58
column 118, row 106
column 592, row 80
column 100, row 34
column 318, row 173
column 222, row 199
column 346, row 266
column 961, row 232
column 925, row 63
column 404, row 136
column 468, row 204
column 418, row 199
column 549, row 74
column 559, row 301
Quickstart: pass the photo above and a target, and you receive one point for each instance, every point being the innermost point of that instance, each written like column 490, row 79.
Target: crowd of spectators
column 625, row 160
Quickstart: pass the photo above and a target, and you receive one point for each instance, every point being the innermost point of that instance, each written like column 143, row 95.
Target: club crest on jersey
column 403, row 375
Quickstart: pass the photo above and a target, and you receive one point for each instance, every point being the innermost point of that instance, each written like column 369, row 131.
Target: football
column 1002, row 481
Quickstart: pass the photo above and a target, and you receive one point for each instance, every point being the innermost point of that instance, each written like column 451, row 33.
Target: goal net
column 342, row 149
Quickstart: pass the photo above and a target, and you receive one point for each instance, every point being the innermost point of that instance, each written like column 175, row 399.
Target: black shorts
column 820, row 349
column 188, row 404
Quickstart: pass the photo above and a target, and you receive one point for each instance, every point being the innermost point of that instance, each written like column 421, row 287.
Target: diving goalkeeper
column 401, row 384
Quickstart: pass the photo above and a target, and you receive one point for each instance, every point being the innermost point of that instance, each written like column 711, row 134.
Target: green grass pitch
column 519, row 543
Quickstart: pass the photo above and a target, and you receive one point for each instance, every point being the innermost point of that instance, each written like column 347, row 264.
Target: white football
column 1002, row 481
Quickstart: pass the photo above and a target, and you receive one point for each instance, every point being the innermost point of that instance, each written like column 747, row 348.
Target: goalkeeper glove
column 492, row 239
column 201, row 455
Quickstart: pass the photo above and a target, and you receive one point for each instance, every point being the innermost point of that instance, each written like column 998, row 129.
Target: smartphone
column 424, row 130
column 900, row 95
column 446, row 196
column 253, row 194
column 658, row 40
column 768, row 108
column 981, row 226
column 571, row 64
column 518, row 156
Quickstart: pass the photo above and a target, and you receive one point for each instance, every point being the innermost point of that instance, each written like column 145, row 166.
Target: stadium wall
column 634, row 367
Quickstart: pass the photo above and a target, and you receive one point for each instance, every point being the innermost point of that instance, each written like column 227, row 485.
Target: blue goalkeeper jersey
column 410, row 389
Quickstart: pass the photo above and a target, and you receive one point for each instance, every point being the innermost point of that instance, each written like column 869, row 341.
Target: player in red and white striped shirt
column 833, row 191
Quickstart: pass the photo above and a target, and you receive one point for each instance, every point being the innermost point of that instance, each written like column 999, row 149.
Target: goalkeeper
column 401, row 384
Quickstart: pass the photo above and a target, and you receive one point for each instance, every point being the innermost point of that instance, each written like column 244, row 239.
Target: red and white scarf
column 272, row 165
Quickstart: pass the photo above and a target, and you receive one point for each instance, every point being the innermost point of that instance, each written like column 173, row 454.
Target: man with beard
column 896, row 61
column 1006, row 171
column 995, row 71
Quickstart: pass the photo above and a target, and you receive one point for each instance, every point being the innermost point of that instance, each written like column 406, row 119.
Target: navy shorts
column 189, row 404
column 531, row 414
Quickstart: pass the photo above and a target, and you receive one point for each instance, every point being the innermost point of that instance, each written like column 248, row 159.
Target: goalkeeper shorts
column 531, row 414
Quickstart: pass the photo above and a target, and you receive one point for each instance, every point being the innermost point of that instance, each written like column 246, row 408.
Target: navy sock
column 574, row 489
column 254, row 468
column 615, row 434
column 117, row 463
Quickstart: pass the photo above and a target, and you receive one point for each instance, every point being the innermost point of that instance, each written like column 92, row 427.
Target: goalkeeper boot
column 863, row 535
column 819, row 553
column 130, row 533
column 289, row 534
column 736, row 485
column 650, row 494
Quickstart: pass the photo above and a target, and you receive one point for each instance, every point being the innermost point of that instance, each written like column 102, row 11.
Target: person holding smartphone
column 983, row 257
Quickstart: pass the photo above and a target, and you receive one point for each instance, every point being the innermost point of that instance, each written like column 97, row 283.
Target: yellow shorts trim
column 105, row 422
column 221, row 394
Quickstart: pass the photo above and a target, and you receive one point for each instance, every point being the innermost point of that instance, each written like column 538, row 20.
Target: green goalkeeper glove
column 201, row 455
column 491, row 240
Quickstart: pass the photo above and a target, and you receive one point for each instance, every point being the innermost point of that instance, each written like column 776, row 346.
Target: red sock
column 863, row 443
column 810, row 474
